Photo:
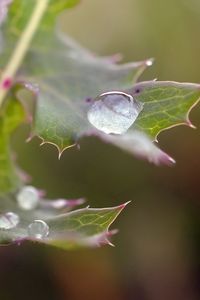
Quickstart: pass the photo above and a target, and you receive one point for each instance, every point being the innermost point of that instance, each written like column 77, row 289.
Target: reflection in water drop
column 38, row 229
column 114, row 112
column 28, row 198
column 8, row 220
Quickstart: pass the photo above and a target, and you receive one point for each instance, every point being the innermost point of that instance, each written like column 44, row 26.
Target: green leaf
column 166, row 104
column 69, row 76
column 84, row 227
column 87, row 227
column 11, row 116
column 61, row 115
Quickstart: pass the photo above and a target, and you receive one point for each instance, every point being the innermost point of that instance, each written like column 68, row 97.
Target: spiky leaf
column 87, row 227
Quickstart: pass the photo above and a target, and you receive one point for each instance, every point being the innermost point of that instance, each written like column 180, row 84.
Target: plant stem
column 21, row 48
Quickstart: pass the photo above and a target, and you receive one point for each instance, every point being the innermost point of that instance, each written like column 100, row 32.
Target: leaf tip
column 149, row 62
column 59, row 154
column 104, row 238
column 59, row 148
column 189, row 123
column 122, row 206
column 109, row 235
column 170, row 161
column 165, row 159
column 30, row 137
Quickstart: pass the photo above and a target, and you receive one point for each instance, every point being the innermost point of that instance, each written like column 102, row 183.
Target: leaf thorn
column 122, row 206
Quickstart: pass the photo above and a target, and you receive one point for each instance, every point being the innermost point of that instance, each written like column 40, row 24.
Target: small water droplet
column 28, row 197
column 8, row 220
column 149, row 62
column 114, row 112
column 38, row 229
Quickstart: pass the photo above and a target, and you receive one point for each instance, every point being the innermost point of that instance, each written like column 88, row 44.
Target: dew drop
column 114, row 112
column 38, row 229
column 28, row 197
column 8, row 220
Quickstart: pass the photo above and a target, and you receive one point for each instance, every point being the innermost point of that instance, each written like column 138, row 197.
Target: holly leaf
column 72, row 78
column 86, row 227
column 60, row 121
column 164, row 105
column 68, row 77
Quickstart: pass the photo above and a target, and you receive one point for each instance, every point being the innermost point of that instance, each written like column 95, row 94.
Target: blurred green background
column 157, row 249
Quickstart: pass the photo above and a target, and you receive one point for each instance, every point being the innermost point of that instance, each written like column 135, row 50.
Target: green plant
column 65, row 92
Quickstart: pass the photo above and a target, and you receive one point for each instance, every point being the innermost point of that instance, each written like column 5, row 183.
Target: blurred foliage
column 157, row 252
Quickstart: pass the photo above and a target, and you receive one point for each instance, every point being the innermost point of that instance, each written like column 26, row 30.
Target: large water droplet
column 38, row 229
column 8, row 220
column 28, row 197
column 114, row 112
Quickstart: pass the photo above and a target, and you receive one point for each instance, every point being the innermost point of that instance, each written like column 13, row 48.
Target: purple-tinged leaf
column 86, row 227
column 139, row 145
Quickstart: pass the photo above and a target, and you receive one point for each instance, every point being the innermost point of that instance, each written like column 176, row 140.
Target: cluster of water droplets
column 27, row 198
column 114, row 112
